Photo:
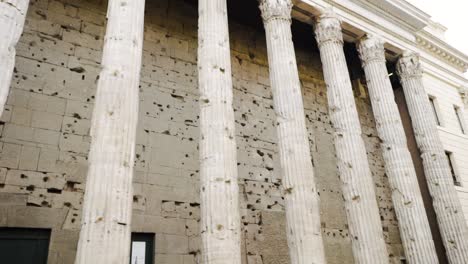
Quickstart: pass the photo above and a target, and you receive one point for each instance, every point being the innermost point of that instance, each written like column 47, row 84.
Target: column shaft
column 107, row 209
column 220, row 221
column 446, row 204
column 406, row 196
column 300, row 192
column 358, row 188
column 12, row 17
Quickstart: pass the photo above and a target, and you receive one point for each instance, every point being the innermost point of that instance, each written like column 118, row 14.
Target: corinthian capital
column 408, row 65
column 371, row 48
column 276, row 9
column 328, row 28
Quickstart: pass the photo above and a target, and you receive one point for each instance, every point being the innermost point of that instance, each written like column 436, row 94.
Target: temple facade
column 229, row 132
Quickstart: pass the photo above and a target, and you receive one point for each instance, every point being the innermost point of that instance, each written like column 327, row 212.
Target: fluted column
column 406, row 196
column 436, row 168
column 300, row 192
column 12, row 17
column 107, row 208
column 358, row 188
column 220, row 221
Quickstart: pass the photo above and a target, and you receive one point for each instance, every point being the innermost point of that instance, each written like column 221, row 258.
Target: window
column 461, row 124
column 142, row 248
column 452, row 168
column 24, row 245
column 432, row 100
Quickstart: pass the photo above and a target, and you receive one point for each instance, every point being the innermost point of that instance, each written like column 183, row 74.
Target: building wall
column 452, row 138
column 45, row 136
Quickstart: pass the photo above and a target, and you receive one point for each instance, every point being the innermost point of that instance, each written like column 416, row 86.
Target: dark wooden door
column 142, row 248
column 24, row 246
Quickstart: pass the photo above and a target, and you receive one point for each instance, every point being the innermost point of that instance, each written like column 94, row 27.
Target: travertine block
column 46, row 121
column 21, row 116
column 45, row 136
column 29, row 158
column 12, row 131
column 35, row 217
column 10, row 155
column 45, row 103
column 76, row 126
column 172, row 244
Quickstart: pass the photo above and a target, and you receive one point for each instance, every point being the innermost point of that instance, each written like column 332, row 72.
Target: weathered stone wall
column 45, row 136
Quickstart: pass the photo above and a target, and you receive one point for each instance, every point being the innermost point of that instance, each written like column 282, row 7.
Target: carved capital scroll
column 408, row 66
column 328, row 28
column 371, row 48
column 276, row 9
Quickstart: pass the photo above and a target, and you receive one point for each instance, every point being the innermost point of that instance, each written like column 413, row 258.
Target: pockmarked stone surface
column 45, row 136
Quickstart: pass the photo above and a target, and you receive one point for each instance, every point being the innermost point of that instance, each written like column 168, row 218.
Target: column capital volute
column 371, row 48
column 328, row 28
column 409, row 66
column 275, row 9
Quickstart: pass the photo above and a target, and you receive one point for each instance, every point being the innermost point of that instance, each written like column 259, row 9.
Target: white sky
column 453, row 14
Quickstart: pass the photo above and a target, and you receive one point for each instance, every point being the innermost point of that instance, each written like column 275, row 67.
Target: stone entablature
column 400, row 24
column 442, row 51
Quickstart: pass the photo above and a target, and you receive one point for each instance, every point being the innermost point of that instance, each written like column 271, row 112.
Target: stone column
column 436, row 168
column 107, row 208
column 220, row 221
column 300, row 192
column 12, row 17
column 358, row 188
column 409, row 207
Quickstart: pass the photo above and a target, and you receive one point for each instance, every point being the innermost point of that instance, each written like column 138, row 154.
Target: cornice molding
column 405, row 12
column 429, row 50
column 442, row 51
